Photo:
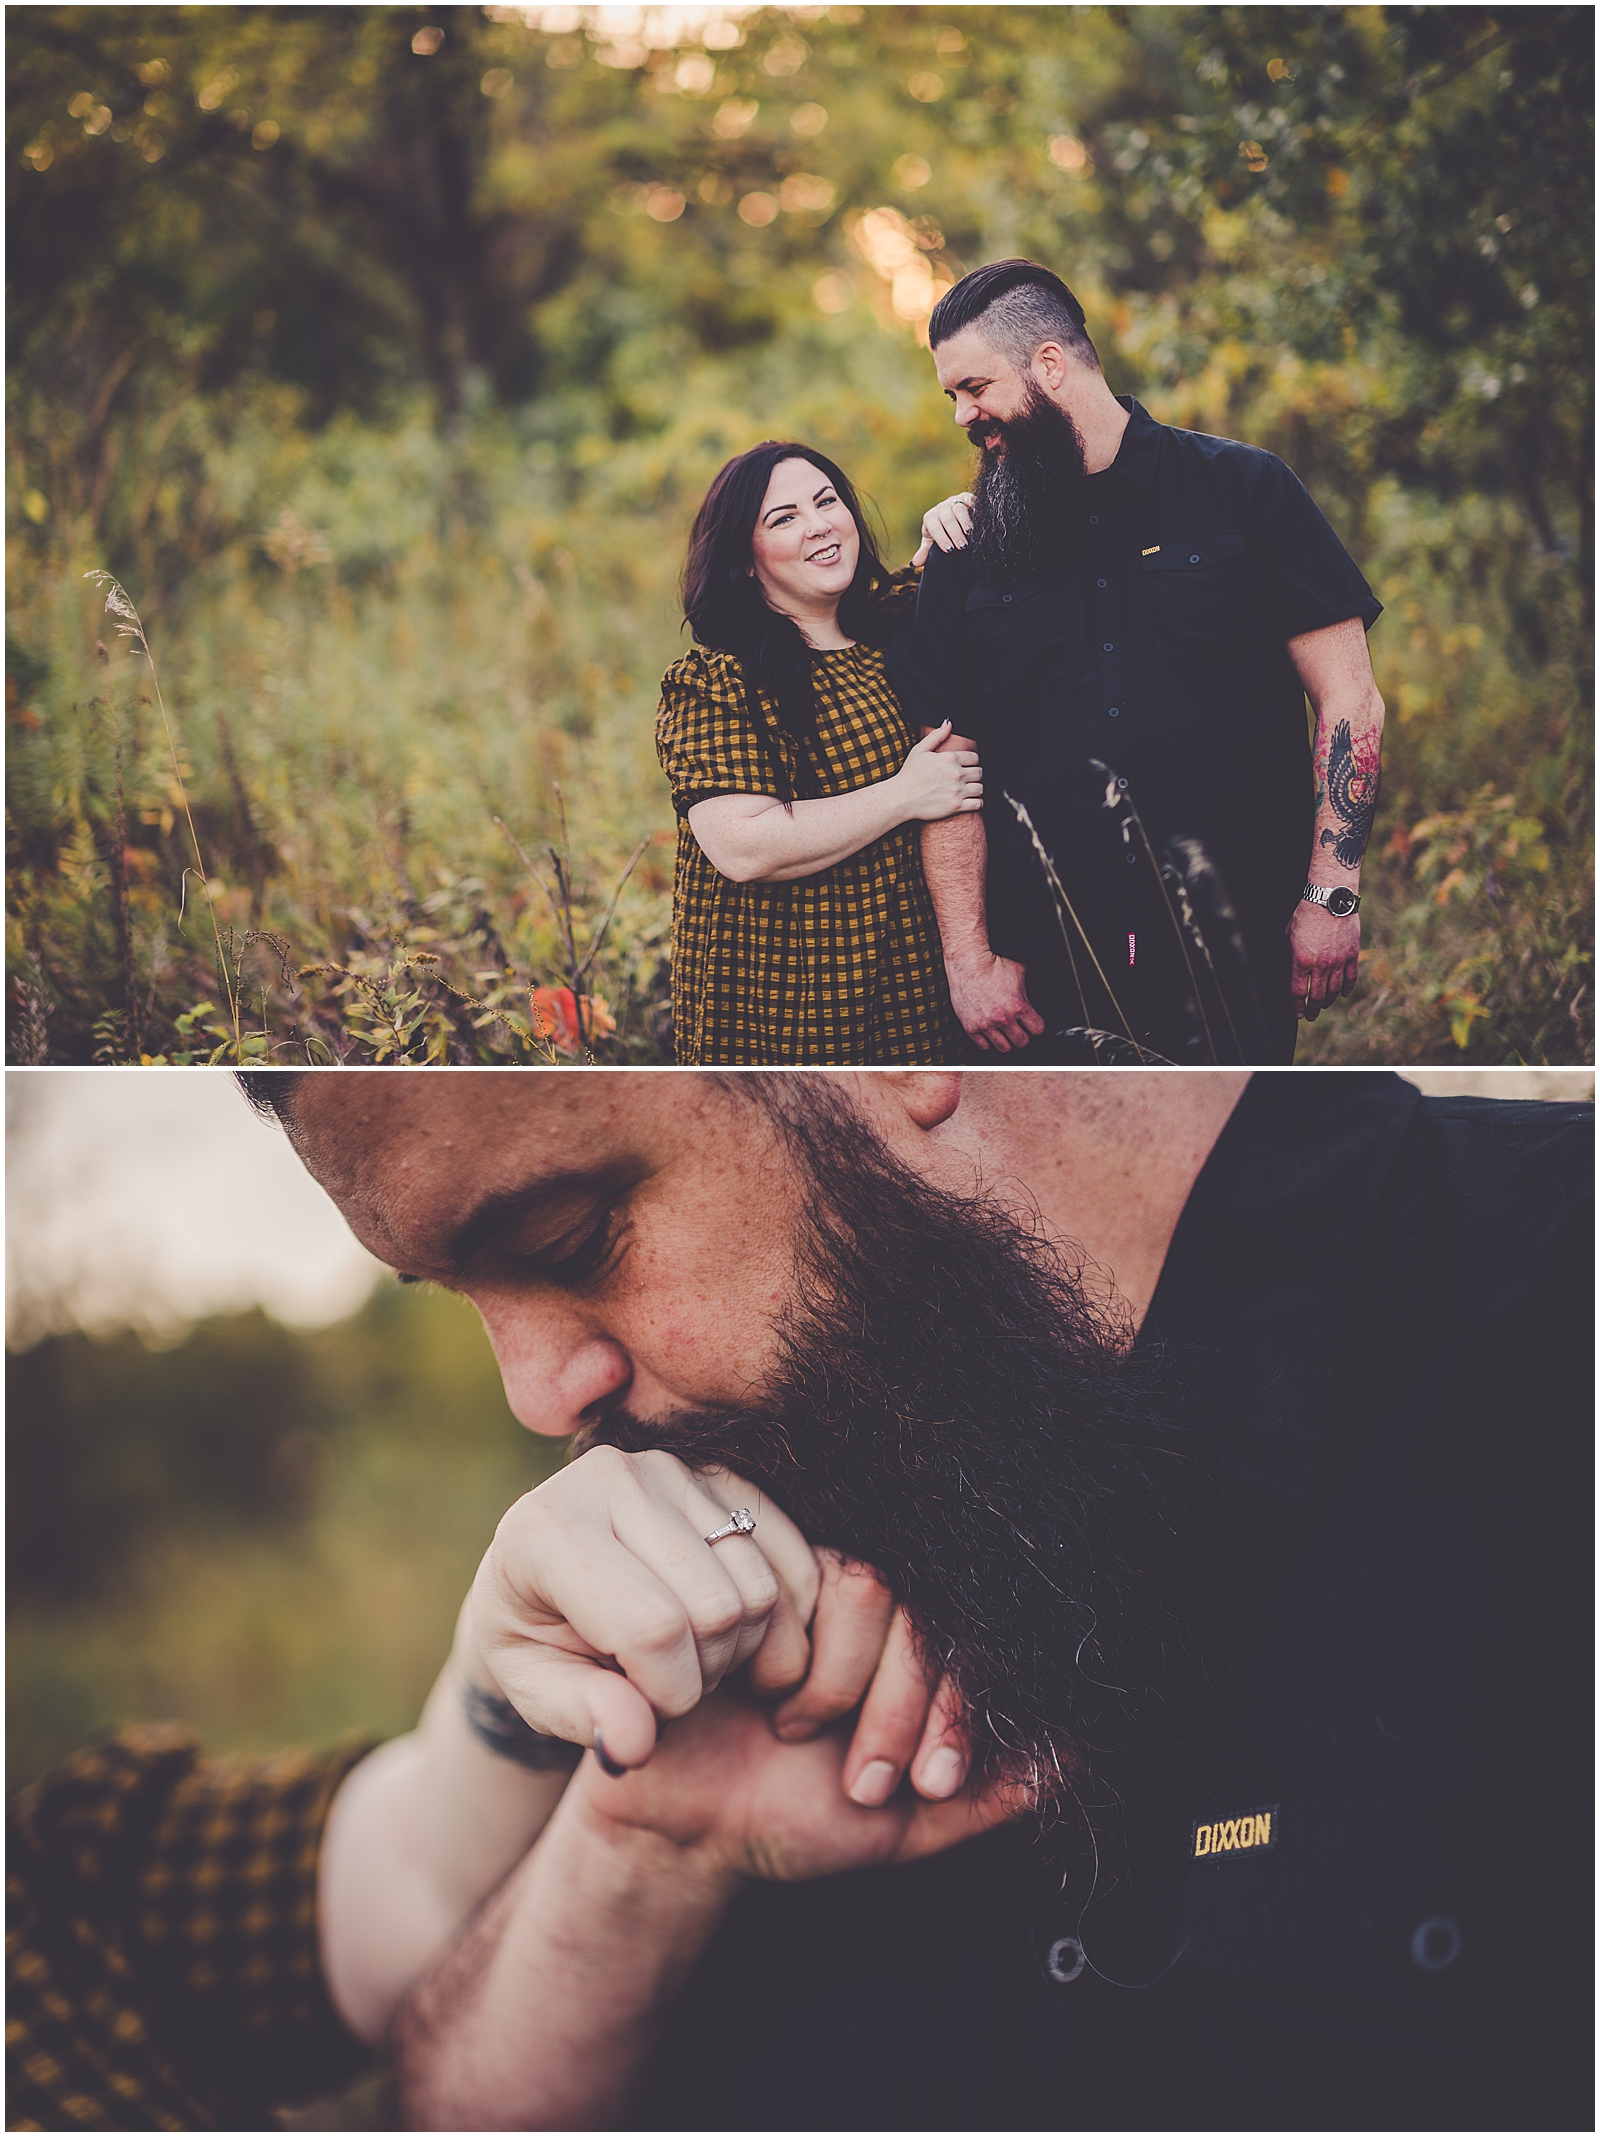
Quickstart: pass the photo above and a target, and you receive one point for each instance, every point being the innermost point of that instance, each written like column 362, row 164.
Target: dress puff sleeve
column 705, row 737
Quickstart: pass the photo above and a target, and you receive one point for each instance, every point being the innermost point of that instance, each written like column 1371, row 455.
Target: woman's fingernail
column 605, row 1761
column 944, row 1773
column 875, row 1784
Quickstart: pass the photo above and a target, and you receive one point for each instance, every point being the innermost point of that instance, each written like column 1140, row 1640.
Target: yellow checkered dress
column 162, row 1970
column 840, row 967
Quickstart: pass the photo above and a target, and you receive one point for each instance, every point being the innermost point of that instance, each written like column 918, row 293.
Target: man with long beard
column 1129, row 639
column 1216, row 1440
column 1210, row 1755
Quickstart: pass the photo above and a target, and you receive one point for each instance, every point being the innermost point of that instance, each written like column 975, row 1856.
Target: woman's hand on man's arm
column 754, row 838
column 946, row 524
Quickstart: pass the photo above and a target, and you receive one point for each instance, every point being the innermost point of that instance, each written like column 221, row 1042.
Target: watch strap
column 1320, row 893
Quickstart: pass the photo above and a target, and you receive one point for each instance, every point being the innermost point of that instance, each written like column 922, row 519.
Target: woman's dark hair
column 725, row 608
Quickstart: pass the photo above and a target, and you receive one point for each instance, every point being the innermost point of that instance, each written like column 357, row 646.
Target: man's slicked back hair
column 1020, row 305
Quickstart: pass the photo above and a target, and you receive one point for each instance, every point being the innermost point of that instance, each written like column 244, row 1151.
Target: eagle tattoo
column 1353, row 781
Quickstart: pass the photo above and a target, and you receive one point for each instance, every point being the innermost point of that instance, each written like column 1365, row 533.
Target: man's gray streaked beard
column 1023, row 491
column 952, row 1407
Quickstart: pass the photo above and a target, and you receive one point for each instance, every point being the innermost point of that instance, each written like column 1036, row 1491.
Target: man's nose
column 966, row 410
column 556, row 1370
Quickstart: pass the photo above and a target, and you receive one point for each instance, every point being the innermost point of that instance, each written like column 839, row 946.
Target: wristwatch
column 1341, row 903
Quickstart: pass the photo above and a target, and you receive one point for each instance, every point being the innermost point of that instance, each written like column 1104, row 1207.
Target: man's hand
column 946, row 523
column 723, row 1787
column 600, row 1609
column 1327, row 955
column 862, row 1656
column 990, row 997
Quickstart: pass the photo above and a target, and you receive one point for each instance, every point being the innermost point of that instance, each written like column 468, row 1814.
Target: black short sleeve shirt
column 1156, row 645
column 1358, row 1896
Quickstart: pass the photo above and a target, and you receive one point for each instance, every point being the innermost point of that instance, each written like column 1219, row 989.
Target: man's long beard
column 953, row 1409
column 1025, row 486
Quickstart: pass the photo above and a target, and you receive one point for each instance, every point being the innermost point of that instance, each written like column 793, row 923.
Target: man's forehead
column 411, row 1154
column 969, row 353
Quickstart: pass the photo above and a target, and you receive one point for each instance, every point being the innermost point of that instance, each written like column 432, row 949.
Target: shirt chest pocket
column 1009, row 626
column 1200, row 591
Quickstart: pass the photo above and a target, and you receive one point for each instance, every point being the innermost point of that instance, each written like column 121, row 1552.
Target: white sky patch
column 148, row 1198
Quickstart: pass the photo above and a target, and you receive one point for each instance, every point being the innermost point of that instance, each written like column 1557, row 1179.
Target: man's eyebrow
column 491, row 1212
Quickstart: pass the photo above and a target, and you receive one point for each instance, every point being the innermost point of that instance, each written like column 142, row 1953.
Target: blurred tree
column 112, row 1444
column 352, row 200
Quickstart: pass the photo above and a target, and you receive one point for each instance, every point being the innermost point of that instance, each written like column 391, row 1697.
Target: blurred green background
column 384, row 353
column 249, row 1477
column 261, row 1530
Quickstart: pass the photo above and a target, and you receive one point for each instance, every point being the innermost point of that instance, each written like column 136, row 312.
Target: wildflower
column 556, row 1015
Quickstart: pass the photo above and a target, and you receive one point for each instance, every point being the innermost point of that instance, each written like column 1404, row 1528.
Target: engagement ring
column 741, row 1522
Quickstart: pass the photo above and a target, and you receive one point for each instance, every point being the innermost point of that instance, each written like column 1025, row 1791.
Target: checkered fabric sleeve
column 843, row 966
column 161, row 1938
column 705, row 738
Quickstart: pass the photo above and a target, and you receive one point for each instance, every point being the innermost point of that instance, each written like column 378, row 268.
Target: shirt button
column 1194, row 560
column 1108, row 647
column 1005, row 597
column 1122, row 786
column 1099, row 582
column 1094, row 519
column 1133, row 860
column 1112, row 711
column 1436, row 1944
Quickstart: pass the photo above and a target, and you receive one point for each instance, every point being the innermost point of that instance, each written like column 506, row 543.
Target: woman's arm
column 421, row 1831
column 753, row 838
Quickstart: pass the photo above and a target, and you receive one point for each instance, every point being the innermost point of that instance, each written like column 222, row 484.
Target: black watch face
column 1341, row 902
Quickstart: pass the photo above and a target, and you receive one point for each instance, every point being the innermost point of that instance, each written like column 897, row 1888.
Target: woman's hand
column 948, row 523
column 932, row 785
column 600, row 1609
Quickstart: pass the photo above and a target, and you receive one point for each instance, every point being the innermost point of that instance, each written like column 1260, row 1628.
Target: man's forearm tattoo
column 1354, row 777
column 496, row 1723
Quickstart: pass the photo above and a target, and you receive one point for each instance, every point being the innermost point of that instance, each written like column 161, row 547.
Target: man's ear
column 1050, row 365
column 929, row 1096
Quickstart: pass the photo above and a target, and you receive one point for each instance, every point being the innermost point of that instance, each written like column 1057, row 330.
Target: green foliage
column 387, row 381
column 262, row 1531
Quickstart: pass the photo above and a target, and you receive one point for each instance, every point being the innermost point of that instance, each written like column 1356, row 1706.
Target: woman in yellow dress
column 802, row 926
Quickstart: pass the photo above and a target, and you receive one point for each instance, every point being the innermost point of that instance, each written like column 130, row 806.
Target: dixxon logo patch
column 1256, row 1833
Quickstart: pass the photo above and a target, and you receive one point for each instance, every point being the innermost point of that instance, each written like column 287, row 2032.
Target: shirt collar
column 1255, row 1290
column 1141, row 443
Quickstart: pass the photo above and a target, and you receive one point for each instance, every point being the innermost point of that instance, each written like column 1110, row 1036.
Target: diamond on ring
column 741, row 1522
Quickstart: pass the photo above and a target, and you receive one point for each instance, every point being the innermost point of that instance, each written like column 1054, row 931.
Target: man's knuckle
column 824, row 1702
